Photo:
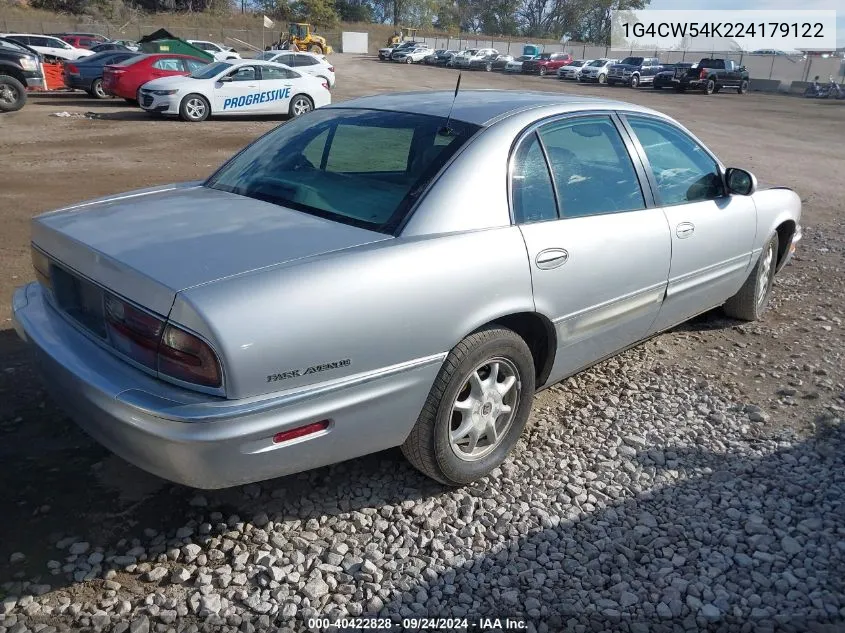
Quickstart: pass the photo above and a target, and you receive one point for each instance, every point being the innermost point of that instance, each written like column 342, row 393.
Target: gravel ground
column 695, row 482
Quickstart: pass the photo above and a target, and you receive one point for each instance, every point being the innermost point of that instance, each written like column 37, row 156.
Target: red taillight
column 133, row 332
column 184, row 356
column 702, row 74
column 331, row 69
column 161, row 346
column 300, row 431
column 71, row 68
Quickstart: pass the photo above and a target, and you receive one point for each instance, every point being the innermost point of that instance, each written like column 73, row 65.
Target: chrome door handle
column 684, row 230
column 551, row 258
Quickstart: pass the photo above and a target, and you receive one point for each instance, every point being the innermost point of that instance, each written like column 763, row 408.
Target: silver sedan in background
column 311, row 302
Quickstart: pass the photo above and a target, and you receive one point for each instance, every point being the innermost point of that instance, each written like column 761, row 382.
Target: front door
column 712, row 232
column 240, row 94
column 599, row 256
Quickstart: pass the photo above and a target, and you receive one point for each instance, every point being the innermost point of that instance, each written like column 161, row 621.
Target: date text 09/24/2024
column 412, row 624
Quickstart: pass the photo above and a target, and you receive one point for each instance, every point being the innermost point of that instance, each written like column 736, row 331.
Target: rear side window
column 271, row 72
column 531, row 186
column 592, row 169
column 360, row 167
column 305, row 60
column 169, row 63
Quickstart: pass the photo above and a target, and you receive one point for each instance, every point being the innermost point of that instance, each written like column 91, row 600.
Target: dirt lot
column 55, row 482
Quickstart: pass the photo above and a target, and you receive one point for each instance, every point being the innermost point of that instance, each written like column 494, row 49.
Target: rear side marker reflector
column 300, row 431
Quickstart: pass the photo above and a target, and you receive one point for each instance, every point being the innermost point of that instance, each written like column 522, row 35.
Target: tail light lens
column 331, row 69
column 183, row 356
column 71, row 68
column 703, row 73
column 160, row 346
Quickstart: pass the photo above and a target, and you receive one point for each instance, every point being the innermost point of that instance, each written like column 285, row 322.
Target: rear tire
column 12, row 94
column 709, row 87
column 97, row 91
column 194, row 108
column 299, row 105
column 743, row 87
column 437, row 445
column 751, row 301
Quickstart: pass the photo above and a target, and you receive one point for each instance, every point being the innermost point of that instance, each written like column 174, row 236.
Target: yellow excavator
column 304, row 37
column 406, row 34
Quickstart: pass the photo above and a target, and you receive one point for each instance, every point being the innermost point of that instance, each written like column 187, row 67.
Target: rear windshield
column 360, row 167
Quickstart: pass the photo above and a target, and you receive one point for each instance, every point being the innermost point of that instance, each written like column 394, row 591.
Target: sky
column 759, row 5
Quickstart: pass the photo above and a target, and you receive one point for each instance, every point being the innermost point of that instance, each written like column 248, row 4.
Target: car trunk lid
column 146, row 246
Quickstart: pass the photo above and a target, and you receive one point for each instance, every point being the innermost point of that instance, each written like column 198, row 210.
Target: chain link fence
column 778, row 68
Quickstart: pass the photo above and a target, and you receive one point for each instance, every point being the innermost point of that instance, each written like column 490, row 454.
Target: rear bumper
column 209, row 442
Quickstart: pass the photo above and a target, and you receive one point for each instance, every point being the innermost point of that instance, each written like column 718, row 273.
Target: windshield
column 577, row 64
column 544, row 56
column 14, row 46
column 212, row 70
column 314, row 164
column 632, row 61
column 598, row 62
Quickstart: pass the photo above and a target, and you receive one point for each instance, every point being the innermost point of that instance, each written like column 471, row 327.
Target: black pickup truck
column 20, row 67
column 711, row 75
column 634, row 71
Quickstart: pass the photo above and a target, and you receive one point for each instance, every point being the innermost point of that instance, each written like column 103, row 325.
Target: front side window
column 531, row 185
column 315, row 164
column 245, row 73
column 683, row 170
column 591, row 167
column 169, row 63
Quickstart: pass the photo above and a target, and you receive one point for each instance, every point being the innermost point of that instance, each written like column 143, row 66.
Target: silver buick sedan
column 397, row 270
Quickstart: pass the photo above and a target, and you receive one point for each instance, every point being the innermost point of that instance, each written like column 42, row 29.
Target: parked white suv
column 48, row 46
column 221, row 53
column 596, row 70
column 307, row 63
column 412, row 55
column 464, row 59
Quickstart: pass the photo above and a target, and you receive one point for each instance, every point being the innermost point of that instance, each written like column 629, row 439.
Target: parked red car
column 546, row 63
column 81, row 40
column 124, row 79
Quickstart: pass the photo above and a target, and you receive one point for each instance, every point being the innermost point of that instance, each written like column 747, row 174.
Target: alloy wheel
column 764, row 279
column 8, row 94
column 484, row 409
column 195, row 108
column 301, row 106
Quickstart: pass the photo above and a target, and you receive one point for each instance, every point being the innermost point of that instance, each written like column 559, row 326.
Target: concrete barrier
column 766, row 85
column 798, row 87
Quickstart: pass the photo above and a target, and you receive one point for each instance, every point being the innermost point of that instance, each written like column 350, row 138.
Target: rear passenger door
column 277, row 87
column 599, row 254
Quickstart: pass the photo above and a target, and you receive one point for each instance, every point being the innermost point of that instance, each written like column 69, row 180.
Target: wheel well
column 539, row 333
column 11, row 71
column 785, row 232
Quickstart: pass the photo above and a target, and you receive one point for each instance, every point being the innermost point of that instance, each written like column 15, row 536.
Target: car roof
column 480, row 107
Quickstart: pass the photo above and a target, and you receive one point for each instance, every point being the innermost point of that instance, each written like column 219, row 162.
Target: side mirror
column 225, row 79
column 740, row 182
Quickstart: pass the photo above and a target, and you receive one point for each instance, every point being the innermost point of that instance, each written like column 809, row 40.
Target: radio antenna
column 446, row 130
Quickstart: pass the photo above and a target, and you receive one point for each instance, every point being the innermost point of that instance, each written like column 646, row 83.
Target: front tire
column 194, row 108
column 316, row 48
column 635, row 81
column 743, row 87
column 476, row 409
column 751, row 301
column 12, row 94
column 299, row 105
column 543, row 71
column 602, row 79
